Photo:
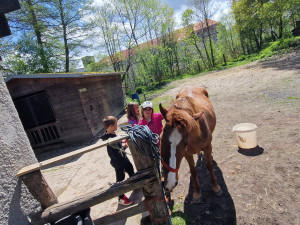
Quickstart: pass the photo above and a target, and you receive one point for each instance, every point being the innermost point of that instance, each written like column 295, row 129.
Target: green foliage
column 293, row 98
column 277, row 46
column 139, row 90
column 178, row 217
column 46, row 36
column 29, row 57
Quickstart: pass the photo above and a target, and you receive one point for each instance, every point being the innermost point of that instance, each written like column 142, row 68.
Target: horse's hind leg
column 196, row 194
column 209, row 164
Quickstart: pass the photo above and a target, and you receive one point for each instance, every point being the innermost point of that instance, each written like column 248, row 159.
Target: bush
column 139, row 90
column 241, row 58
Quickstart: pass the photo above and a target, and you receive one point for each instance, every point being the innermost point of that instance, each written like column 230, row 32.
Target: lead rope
column 147, row 136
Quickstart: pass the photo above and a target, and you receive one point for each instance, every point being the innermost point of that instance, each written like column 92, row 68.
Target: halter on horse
column 188, row 130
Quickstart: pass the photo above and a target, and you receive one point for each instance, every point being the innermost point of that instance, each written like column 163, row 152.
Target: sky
column 181, row 5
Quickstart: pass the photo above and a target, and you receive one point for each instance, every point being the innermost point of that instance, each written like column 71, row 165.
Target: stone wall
column 16, row 202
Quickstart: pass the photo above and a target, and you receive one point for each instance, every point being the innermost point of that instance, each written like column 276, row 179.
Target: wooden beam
column 152, row 192
column 39, row 188
column 121, row 214
column 49, row 162
column 58, row 211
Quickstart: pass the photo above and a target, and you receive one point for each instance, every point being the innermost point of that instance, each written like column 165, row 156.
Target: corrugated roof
column 62, row 75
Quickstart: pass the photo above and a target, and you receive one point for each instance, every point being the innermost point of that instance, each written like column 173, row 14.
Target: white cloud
column 223, row 7
column 100, row 2
column 178, row 14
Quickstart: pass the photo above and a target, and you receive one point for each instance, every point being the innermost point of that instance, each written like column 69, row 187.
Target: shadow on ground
column 212, row 210
column 252, row 151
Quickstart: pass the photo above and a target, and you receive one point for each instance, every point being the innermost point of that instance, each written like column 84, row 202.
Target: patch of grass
column 293, row 98
column 128, row 99
column 178, row 217
column 150, row 95
column 165, row 101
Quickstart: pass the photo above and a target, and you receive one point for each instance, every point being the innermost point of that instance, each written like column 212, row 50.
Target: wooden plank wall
column 68, row 110
column 101, row 96
column 79, row 114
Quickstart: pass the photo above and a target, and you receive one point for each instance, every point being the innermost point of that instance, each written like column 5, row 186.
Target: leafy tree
column 228, row 37
column 109, row 32
column 65, row 17
column 205, row 10
column 168, row 40
column 30, row 20
column 191, row 39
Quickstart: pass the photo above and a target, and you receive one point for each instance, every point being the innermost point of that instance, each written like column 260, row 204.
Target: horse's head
column 174, row 140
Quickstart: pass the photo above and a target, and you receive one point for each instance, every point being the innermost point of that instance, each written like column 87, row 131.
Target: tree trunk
column 210, row 43
column 256, row 40
column 242, row 44
column 206, row 52
column 200, row 53
column 260, row 35
column 67, row 63
column 38, row 35
column 280, row 27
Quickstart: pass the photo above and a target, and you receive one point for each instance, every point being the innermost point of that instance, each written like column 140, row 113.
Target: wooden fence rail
column 58, row 211
column 147, row 178
column 121, row 214
column 70, row 155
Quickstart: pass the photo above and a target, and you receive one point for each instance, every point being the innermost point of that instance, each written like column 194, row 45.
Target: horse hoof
column 196, row 200
column 219, row 192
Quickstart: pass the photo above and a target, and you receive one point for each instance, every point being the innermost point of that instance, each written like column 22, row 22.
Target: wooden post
column 153, row 193
column 39, row 188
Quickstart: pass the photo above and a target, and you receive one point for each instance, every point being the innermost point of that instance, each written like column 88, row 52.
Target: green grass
column 165, row 101
column 293, row 98
column 178, row 217
column 150, row 96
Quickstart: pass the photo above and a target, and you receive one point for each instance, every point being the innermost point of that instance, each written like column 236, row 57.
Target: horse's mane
column 185, row 103
column 181, row 113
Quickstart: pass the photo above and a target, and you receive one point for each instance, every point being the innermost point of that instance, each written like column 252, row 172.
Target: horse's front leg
column 196, row 194
column 209, row 164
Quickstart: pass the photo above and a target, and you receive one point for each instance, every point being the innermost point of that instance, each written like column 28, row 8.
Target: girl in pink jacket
column 151, row 119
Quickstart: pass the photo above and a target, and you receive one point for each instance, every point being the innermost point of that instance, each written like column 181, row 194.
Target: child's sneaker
column 125, row 201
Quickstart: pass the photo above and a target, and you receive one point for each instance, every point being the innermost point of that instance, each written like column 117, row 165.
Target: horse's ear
column 197, row 116
column 163, row 111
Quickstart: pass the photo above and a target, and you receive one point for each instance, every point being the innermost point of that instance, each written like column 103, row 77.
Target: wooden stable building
column 61, row 109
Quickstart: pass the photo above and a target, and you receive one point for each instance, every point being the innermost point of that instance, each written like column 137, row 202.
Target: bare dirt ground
column 261, row 186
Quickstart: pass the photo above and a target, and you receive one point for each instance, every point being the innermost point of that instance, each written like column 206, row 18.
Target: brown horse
column 190, row 122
